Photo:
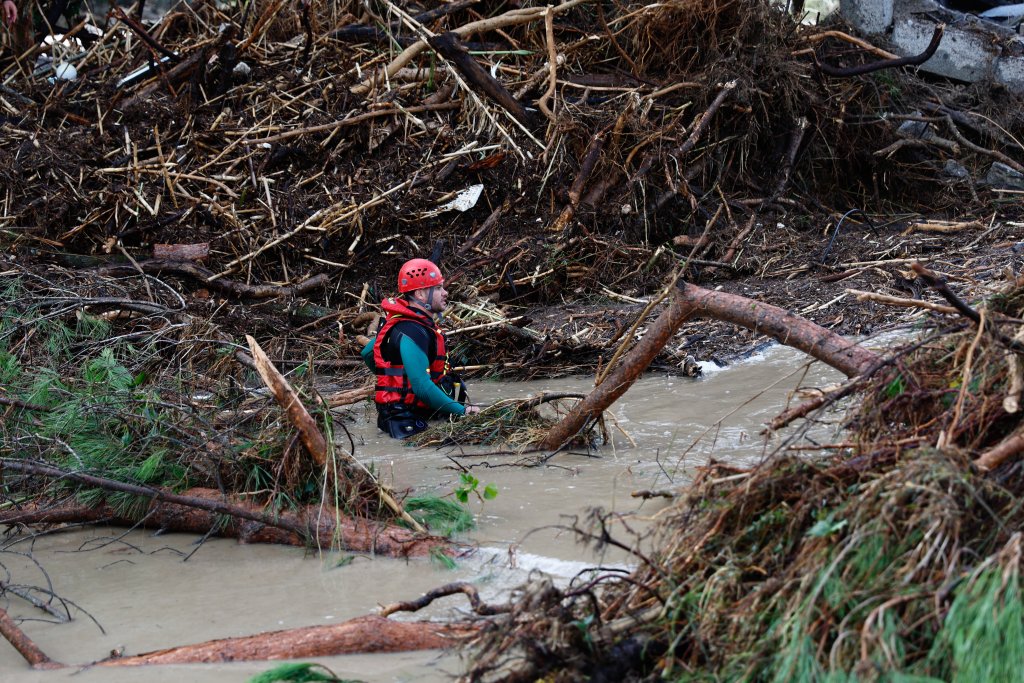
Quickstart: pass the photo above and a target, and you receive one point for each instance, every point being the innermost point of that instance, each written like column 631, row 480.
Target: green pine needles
column 298, row 672
column 92, row 414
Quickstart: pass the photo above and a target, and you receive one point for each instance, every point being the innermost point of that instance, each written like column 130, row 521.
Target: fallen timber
column 199, row 511
column 689, row 300
column 362, row 635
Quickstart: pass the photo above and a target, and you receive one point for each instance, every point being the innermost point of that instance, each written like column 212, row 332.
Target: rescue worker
column 409, row 356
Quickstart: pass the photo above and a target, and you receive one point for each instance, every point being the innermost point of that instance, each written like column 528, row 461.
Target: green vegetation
column 440, row 515
column 298, row 672
column 88, row 393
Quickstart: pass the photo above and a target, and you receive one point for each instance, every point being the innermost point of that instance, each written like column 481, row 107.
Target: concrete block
column 1010, row 72
column 869, row 16
column 966, row 55
column 1002, row 176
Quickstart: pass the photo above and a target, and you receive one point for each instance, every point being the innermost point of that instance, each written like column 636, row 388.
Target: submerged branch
column 202, row 510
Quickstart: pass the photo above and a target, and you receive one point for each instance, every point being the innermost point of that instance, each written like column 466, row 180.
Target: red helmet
column 418, row 274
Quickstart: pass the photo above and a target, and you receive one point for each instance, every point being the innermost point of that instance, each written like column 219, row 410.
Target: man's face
column 434, row 299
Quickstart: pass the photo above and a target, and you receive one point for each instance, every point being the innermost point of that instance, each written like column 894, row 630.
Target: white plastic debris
column 242, row 70
column 464, row 200
column 63, row 71
column 58, row 43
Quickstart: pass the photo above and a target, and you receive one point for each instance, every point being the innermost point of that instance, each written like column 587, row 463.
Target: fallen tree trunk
column 783, row 326
column 623, row 376
column 369, row 634
column 23, row 644
column 363, row 635
column 355, row 535
column 200, row 510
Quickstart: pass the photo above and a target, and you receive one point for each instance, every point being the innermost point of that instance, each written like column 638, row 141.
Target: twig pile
column 302, row 147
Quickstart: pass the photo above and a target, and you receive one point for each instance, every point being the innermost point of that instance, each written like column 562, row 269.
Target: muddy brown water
column 146, row 595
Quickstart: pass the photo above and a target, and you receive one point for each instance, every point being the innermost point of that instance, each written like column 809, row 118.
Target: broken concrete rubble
column 1001, row 176
column 972, row 49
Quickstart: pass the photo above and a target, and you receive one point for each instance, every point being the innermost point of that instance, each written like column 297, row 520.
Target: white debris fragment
column 464, row 200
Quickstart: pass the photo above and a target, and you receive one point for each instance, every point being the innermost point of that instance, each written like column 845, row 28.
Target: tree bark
column 1010, row 447
column 369, row 634
column 363, row 635
column 783, row 326
column 623, row 376
column 23, row 644
column 310, row 525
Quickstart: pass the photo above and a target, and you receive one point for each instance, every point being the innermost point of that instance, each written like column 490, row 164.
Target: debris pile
column 899, row 557
column 284, row 160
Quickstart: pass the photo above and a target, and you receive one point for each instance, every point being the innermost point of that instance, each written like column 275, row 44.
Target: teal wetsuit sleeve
column 416, row 367
column 367, row 354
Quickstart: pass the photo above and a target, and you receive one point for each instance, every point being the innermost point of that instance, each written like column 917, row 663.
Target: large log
column 363, row 635
column 623, row 376
column 197, row 511
column 785, row 327
column 687, row 299
column 369, row 634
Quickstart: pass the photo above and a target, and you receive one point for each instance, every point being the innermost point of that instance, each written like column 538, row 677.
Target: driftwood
column 448, row 46
column 241, row 290
column 369, row 634
column 513, row 17
column 24, row 645
column 590, row 158
column 286, row 397
column 359, row 32
column 1010, row 447
column 469, row 590
column 199, row 510
column 363, row 635
column 181, row 71
column 783, row 326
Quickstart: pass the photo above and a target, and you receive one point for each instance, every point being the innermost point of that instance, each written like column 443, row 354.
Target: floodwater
column 150, row 592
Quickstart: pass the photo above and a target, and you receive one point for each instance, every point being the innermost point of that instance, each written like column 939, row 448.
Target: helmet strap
column 427, row 304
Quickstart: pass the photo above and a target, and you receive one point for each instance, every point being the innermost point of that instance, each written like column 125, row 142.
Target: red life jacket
column 393, row 384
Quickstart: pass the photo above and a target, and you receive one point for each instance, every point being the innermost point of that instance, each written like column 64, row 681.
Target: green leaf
column 490, row 492
column 462, row 495
column 825, row 527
